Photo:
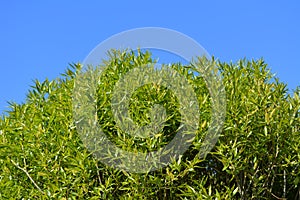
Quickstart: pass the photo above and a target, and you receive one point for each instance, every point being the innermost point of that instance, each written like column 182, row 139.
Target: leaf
column 235, row 191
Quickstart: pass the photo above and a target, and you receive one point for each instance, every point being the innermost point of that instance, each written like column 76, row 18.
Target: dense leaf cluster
column 256, row 157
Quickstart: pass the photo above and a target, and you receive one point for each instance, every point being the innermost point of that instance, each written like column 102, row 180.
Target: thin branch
column 27, row 174
column 284, row 183
column 277, row 197
column 98, row 174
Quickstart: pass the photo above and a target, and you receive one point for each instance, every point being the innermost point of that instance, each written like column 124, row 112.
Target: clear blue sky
column 39, row 38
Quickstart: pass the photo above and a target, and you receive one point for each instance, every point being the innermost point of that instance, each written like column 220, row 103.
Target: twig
column 24, row 170
column 284, row 183
column 277, row 197
column 98, row 174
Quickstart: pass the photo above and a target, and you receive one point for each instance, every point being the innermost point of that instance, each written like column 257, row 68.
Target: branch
column 98, row 174
column 24, row 170
column 277, row 197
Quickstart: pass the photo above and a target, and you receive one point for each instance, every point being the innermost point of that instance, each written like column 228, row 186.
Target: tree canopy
column 257, row 155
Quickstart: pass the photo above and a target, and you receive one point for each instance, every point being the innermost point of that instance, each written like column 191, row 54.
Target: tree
column 256, row 157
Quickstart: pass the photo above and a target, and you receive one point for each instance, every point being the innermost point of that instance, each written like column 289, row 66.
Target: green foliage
column 257, row 155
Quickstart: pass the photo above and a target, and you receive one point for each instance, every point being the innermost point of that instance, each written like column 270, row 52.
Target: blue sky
column 40, row 38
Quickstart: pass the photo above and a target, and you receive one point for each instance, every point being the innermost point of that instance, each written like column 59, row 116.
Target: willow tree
column 256, row 157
